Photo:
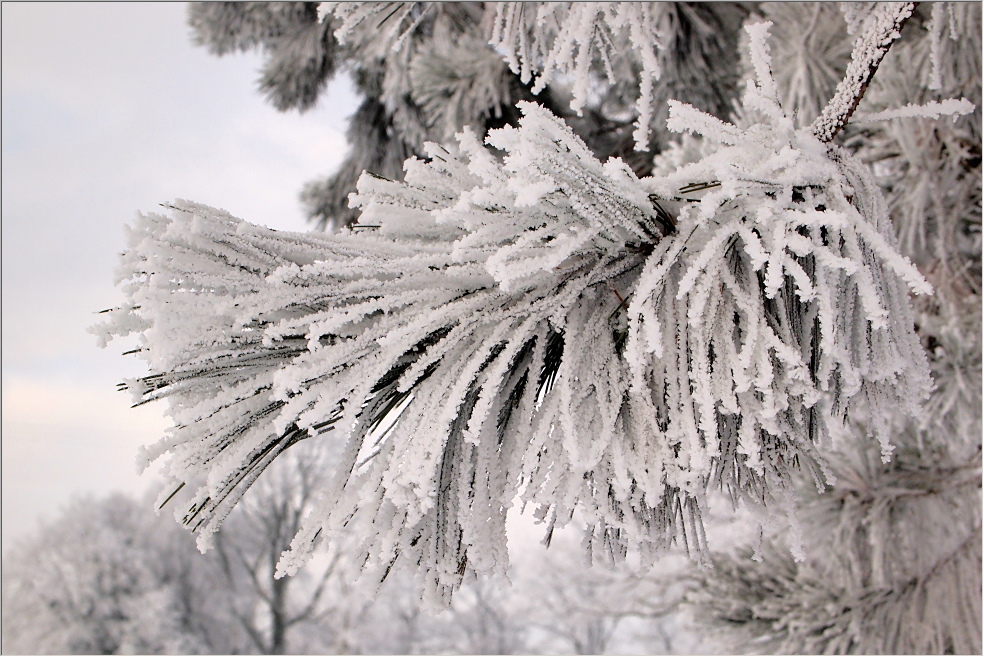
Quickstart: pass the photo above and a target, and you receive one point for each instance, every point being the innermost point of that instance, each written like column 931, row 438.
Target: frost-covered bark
column 542, row 327
column 878, row 31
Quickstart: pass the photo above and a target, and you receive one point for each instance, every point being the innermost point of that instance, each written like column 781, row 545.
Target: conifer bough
column 537, row 328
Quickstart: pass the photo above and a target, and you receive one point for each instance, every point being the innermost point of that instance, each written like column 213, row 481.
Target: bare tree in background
column 273, row 609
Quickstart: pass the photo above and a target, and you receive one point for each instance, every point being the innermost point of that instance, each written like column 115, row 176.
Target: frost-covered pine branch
column 538, row 327
column 425, row 71
column 440, row 77
column 930, row 169
column 578, row 34
column 774, row 609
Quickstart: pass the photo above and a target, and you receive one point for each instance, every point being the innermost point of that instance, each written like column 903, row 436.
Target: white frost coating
column 761, row 62
column 687, row 118
column 931, row 110
column 856, row 14
column 538, row 329
column 936, row 26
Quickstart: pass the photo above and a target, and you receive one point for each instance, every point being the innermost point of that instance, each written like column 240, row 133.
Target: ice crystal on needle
column 542, row 327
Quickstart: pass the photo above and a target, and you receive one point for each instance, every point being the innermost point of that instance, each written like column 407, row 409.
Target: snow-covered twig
column 882, row 28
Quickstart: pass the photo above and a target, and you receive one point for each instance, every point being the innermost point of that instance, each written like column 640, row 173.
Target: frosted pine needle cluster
column 539, row 327
column 568, row 37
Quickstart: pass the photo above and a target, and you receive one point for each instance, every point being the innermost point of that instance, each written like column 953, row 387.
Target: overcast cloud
column 109, row 109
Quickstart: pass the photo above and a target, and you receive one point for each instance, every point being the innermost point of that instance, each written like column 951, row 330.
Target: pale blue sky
column 109, row 109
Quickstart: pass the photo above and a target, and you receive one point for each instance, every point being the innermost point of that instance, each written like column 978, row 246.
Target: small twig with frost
column 883, row 28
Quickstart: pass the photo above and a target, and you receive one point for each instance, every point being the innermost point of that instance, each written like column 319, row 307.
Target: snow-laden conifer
column 543, row 327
